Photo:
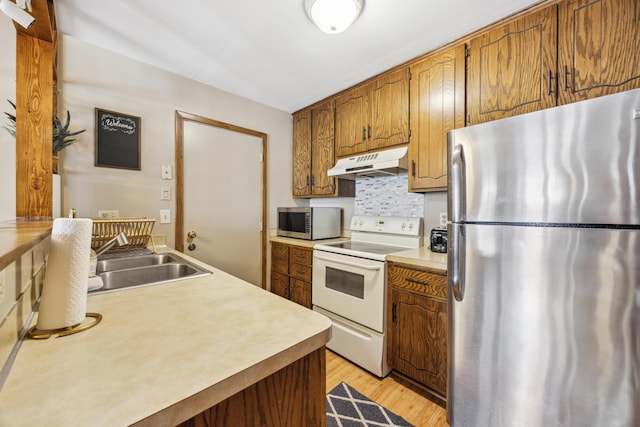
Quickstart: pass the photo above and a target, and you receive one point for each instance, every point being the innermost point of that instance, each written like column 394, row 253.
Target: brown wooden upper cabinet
column 302, row 153
column 598, row 48
column 373, row 115
column 512, row 68
column 437, row 91
column 314, row 154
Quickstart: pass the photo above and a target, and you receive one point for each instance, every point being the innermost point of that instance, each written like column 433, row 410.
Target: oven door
column 350, row 287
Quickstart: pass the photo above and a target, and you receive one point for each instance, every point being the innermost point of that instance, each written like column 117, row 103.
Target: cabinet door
column 419, row 339
column 280, row 284
column 598, row 48
column 352, row 120
column 322, row 149
column 512, row 69
column 389, row 110
column 300, row 292
column 301, row 153
column 437, row 106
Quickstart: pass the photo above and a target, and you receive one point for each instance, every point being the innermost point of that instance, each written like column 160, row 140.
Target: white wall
column 7, row 142
column 94, row 77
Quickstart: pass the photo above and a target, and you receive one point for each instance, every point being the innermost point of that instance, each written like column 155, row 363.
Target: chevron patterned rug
column 346, row 407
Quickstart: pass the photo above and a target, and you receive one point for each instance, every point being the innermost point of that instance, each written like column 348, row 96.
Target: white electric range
column 350, row 286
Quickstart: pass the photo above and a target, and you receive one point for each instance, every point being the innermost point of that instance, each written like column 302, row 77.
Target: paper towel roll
column 64, row 296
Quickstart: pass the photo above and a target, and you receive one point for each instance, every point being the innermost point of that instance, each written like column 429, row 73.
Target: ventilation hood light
column 379, row 163
column 333, row 16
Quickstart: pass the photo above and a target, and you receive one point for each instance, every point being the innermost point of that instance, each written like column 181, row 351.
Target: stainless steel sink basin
column 142, row 270
column 133, row 262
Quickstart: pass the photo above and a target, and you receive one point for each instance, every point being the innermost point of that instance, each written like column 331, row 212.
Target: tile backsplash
column 387, row 196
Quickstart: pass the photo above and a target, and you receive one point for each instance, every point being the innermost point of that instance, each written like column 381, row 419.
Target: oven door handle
column 350, row 264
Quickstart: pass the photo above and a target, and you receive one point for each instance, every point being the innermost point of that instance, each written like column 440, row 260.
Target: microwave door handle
column 350, row 264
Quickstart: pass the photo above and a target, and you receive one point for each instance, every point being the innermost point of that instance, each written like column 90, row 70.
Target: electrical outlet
column 166, row 172
column 443, row 219
column 165, row 216
column 108, row 213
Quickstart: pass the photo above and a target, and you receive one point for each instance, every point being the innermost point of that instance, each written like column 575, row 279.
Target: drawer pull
column 417, row 282
column 300, row 256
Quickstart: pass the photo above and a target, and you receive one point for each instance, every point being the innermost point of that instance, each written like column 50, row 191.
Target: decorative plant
column 11, row 127
column 60, row 133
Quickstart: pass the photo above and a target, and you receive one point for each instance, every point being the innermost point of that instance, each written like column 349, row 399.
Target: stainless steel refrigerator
column 544, row 268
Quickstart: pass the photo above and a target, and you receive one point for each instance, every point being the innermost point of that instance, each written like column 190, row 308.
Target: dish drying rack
column 137, row 229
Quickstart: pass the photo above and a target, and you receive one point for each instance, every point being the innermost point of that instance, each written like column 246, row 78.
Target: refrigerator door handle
column 458, row 185
column 457, row 261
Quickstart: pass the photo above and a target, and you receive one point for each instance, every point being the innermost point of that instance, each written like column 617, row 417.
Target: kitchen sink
column 142, row 270
column 133, row 262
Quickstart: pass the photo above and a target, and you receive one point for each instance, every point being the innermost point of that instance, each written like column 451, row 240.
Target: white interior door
column 222, row 199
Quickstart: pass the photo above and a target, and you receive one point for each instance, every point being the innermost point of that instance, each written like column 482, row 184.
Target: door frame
column 180, row 119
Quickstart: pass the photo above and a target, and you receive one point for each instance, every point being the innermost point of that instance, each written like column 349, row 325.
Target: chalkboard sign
column 117, row 140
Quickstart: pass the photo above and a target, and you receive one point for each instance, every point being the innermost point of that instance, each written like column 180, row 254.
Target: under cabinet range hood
column 380, row 163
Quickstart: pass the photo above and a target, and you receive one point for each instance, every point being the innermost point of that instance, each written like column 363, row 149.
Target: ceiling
column 267, row 50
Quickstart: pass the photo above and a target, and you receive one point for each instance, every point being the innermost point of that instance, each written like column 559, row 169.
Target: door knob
column 191, row 234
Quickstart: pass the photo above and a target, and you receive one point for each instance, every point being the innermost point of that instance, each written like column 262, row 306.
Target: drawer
column 299, row 271
column 301, row 256
column 433, row 285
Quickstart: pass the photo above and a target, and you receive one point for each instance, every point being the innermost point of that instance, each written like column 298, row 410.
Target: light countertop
column 304, row 243
column 421, row 257
column 161, row 353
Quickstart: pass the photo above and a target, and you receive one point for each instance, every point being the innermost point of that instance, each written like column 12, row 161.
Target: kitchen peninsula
column 214, row 347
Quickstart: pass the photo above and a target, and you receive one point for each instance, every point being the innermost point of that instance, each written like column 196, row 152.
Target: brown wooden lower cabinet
column 417, row 342
column 291, row 272
column 293, row 396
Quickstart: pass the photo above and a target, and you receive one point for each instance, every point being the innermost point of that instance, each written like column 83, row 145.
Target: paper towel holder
column 43, row 334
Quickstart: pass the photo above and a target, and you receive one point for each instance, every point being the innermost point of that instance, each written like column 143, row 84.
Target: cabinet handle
column 393, row 312
column 369, row 132
column 313, row 181
column 566, row 73
column 417, row 282
column 550, row 78
column 413, row 168
column 364, row 133
column 308, row 180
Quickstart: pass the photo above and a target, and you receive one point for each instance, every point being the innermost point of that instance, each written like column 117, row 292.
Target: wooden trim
column 34, row 129
column 180, row 118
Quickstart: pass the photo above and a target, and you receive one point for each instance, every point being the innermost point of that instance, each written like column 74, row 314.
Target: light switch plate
column 165, row 193
column 165, row 216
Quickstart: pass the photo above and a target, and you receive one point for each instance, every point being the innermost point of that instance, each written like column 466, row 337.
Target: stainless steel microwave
column 309, row 223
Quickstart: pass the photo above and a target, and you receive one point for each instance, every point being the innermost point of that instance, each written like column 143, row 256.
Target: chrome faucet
column 119, row 240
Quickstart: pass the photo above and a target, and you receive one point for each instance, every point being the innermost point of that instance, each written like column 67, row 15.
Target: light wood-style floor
column 388, row 392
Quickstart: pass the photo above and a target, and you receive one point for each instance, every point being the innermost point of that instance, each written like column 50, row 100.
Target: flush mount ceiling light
column 16, row 13
column 333, row 16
